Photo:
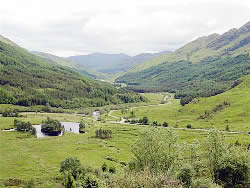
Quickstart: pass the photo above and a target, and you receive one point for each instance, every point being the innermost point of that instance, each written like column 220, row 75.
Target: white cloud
column 73, row 27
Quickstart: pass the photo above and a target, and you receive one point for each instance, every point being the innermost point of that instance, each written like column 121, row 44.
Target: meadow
column 23, row 156
column 231, row 108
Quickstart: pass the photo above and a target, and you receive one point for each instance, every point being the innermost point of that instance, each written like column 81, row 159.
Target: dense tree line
column 210, row 77
column 27, row 80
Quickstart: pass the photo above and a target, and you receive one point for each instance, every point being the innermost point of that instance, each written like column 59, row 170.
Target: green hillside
column 204, row 67
column 207, row 78
column 26, row 79
column 73, row 65
column 233, row 42
column 230, row 108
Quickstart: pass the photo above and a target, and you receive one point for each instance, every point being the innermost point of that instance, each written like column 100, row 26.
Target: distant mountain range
column 204, row 67
column 113, row 63
column 71, row 64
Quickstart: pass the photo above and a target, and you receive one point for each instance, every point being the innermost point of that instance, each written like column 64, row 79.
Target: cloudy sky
column 73, row 27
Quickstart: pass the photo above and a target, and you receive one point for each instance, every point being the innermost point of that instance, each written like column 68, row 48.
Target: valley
column 169, row 119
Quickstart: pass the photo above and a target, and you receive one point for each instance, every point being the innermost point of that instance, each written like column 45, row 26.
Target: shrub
column 112, row 170
column 141, row 179
column 104, row 167
column 145, row 121
column 155, row 123
column 82, row 125
column 30, row 184
column 228, row 165
column 185, row 100
column 165, row 124
column 91, row 182
column 204, row 183
column 227, row 128
column 189, row 126
column 103, row 134
column 185, row 176
column 232, row 172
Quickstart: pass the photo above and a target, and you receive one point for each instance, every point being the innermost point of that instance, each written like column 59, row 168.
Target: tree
column 145, row 121
column 189, row 126
column 72, row 167
column 22, row 126
column 51, row 127
column 215, row 150
column 155, row 150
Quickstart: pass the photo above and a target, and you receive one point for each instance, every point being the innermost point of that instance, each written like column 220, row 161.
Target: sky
column 74, row 27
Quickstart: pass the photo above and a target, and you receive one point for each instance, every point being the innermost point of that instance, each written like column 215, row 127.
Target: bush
column 165, row 124
column 232, row 173
column 30, row 184
column 112, row 170
column 185, row 176
column 228, row 165
column 189, row 126
column 185, row 100
column 155, row 123
column 104, row 167
column 91, row 182
column 103, row 134
column 145, row 121
column 204, row 183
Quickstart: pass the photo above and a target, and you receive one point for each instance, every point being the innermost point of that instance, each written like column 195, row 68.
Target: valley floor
column 24, row 156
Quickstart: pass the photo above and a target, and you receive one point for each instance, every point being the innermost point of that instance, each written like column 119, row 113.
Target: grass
column 236, row 115
column 24, row 157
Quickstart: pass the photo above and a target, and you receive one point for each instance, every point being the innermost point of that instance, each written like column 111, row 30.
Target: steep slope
column 233, row 42
column 113, row 63
column 26, row 79
column 230, row 108
column 204, row 67
column 73, row 65
column 3, row 39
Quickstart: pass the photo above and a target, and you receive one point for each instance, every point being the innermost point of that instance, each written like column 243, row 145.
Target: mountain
column 204, row 67
column 73, row 65
column 112, row 63
column 233, row 43
column 26, row 79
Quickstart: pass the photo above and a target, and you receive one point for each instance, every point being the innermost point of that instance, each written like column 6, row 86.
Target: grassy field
column 24, row 157
column 236, row 114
